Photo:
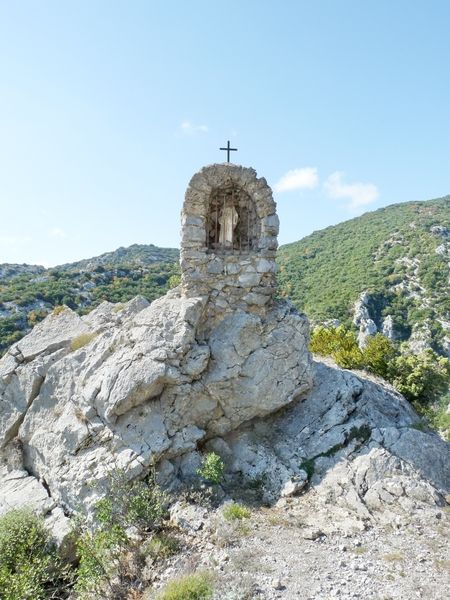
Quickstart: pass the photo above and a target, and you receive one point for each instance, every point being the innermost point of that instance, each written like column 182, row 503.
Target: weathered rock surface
column 358, row 439
column 372, row 523
column 141, row 389
column 363, row 320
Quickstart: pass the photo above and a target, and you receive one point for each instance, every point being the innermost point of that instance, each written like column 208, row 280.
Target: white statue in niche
column 228, row 221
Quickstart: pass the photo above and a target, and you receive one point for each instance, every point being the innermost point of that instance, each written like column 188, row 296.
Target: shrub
column 162, row 546
column 28, row 563
column 235, row 511
column 197, row 586
column 422, row 378
column 378, row 354
column 81, row 340
column 173, row 281
column 141, row 504
column 339, row 343
column 212, row 468
column 35, row 316
column 442, row 423
column 105, row 554
column 98, row 555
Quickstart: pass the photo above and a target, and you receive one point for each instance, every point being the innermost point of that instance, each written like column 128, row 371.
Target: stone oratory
column 229, row 240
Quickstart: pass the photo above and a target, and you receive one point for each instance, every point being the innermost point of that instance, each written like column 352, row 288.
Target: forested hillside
column 28, row 293
column 400, row 254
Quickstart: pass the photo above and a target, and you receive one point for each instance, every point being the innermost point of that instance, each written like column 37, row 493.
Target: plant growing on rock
column 422, row 378
column 340, row 344
column 81, row 341
column 30, row 568
column 234, row 511
column 197, row 586
column 111, row 556
column 212, row 468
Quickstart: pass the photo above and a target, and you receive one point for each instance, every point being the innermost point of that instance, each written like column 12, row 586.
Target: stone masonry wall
column 231, row 280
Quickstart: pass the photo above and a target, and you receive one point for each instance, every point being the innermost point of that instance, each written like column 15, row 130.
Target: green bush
column 235, row 511
column 378, row 355
column 103, row 552
column 173, row 281
column 212, row 468
column 339, row 343
column 422, row 378
column 28, row 563
column 99, row 554
column 190, row 587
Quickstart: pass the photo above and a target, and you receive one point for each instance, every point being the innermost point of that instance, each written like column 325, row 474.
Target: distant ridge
column 140, row 254
column 28, row 292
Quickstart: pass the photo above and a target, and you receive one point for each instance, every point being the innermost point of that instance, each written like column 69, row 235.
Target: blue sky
column 107, row 108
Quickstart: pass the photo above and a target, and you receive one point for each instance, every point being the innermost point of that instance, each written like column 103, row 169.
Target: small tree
column 422, row 378
column 378, row 355
column 339, row 343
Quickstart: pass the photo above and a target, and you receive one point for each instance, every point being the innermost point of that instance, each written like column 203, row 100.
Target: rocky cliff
column 128, row 386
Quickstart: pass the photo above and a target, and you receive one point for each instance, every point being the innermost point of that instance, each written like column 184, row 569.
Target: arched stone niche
column 232, row 223
column 229, row 239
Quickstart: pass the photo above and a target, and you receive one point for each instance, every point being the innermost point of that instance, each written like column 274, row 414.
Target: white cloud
column 359, row 194
column 298, row 179
column 57, row 232
column 189, row 128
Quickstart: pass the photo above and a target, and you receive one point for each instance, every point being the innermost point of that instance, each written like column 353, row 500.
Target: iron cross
column 228, row 149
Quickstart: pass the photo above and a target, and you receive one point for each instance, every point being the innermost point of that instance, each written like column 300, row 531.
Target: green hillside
column 400, row 254
column 28, row 293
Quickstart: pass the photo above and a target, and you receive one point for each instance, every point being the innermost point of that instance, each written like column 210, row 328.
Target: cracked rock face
column 357, row 437
column 125, row 387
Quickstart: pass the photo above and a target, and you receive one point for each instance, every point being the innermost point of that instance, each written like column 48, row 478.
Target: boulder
column 356, row 438
column 142, row 384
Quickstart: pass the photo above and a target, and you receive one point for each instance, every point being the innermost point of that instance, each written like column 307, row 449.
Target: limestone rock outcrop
column 127, row 386
column 362, row 319
column 368, row 455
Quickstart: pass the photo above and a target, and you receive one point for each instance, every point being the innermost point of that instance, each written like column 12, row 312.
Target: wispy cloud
column 57, row 232
column 298, row 179
column 189, row 128
column 357, row 194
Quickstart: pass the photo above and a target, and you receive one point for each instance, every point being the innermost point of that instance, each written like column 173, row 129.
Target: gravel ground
column 276, row 554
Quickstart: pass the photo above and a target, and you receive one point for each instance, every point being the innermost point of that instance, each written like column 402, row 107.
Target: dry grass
column 359, row 550
column 393, row 557
column 80, row 415
column 197, row 586
column 81, row 340
column 443, row 565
